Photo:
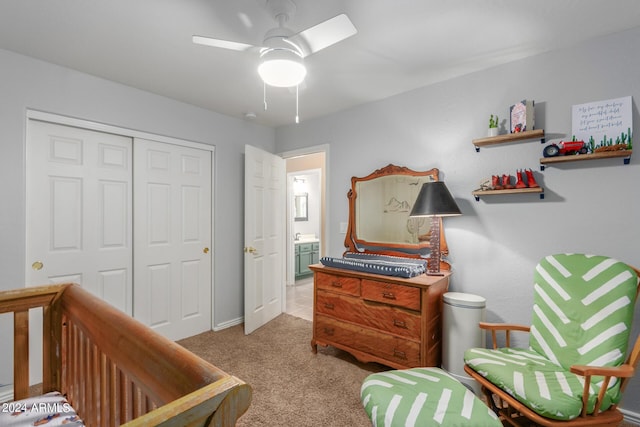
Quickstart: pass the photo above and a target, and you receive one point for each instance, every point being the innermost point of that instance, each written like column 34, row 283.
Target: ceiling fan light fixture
column 281, row 67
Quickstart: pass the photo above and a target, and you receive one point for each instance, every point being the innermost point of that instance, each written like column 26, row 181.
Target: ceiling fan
column 282, row 52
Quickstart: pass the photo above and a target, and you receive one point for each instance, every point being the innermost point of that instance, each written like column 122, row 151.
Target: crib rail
column 19, row 302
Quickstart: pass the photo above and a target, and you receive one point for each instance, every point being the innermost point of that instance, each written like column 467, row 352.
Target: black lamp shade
column 434, row 199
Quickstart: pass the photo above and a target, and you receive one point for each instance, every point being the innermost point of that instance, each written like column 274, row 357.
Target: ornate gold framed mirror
column 379, row 207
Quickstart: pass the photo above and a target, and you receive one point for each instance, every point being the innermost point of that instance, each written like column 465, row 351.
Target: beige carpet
column 291, row 385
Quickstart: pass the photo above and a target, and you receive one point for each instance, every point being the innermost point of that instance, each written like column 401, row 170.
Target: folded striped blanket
column 378, row 264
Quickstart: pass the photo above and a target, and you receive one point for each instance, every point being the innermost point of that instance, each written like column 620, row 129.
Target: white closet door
column 172, row 270
column 79, row 210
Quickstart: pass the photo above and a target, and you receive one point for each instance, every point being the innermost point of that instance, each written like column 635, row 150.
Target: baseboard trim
column 632, row 417
column 228, row 324
column 6, row 393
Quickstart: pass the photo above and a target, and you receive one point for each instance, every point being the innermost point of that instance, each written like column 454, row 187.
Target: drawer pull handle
column 399, row 354
column 388, row 295
column 336, row 284
column 329, row 331
column 400, row 323
column 329, row 305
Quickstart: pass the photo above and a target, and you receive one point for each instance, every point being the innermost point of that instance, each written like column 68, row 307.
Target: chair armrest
column 506, row 327
column 622, row 371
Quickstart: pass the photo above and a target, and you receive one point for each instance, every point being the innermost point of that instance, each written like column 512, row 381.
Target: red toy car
column 564, row 148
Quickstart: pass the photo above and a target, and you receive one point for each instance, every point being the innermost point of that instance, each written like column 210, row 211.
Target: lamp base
column 433, row 264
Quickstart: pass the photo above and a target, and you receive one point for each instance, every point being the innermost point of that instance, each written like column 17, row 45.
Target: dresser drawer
column 327, row 330
column 340, row 284
column 390, row 293
column 394, row 349
column 374, row 315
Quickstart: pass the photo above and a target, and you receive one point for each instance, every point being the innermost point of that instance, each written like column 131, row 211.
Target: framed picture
column 604, row 125
column 521, row 116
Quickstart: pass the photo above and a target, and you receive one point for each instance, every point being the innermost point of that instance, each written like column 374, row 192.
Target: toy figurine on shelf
column 565, row 148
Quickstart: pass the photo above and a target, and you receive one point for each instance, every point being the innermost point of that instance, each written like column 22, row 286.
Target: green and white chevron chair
column 575, row 368
column 422, row 397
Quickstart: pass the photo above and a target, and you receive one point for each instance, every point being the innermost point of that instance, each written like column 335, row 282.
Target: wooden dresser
column 390, row 320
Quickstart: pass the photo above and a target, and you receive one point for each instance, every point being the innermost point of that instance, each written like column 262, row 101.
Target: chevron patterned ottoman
column 422, row 397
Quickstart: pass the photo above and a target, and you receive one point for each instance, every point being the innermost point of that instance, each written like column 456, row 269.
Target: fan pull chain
column 297, row 116
column 264, row 100
column 264, row 95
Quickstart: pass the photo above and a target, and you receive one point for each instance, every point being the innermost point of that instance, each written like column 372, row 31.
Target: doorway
column 306, row 226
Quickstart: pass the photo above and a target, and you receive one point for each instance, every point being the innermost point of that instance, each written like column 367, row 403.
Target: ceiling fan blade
column 327, row 33
column 224, row 44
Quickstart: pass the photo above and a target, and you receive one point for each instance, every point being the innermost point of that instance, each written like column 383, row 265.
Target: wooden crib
column 113, row 369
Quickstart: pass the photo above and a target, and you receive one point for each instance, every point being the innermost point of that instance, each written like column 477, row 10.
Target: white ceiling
column 400, row 44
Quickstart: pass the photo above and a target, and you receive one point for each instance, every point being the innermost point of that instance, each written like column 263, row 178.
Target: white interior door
column 79, row 210
column 172, row 270
column 264, row 225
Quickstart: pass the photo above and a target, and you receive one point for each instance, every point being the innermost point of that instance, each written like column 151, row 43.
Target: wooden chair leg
column 488, row 395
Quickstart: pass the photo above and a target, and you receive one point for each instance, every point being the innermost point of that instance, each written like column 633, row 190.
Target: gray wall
column 29, row 84
column 590, row 207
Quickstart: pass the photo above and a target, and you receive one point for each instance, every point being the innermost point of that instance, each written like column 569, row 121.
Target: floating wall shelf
column 624, row 154
column 481, row 193
column 510, row 137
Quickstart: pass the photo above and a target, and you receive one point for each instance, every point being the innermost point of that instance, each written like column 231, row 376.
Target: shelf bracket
column 477, row 149
column 477, row 198
column 627, row 160
column 541, row 196
column 542, row 168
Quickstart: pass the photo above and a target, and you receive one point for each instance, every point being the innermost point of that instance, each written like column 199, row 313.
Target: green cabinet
column 306, row 254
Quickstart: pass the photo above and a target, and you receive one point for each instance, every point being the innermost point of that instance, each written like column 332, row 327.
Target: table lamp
column 435, row 201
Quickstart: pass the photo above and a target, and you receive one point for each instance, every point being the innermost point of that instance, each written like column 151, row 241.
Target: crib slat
column 64, row 356
column 113, row 399
column 21, row 354
column 93, row 383
column 47, row 367
column 137, row 402
column 125, row 398
column 104, row 390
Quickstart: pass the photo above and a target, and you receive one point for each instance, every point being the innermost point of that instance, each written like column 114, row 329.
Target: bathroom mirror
column 300, row 205
column 379, row 207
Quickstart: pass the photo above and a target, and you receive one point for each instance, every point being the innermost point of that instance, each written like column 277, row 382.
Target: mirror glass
column 300, row 206
column 379, row 207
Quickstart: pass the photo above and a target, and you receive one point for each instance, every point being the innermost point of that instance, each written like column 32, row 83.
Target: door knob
column 205, row 250
column 37, row 265
column 250, row 250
